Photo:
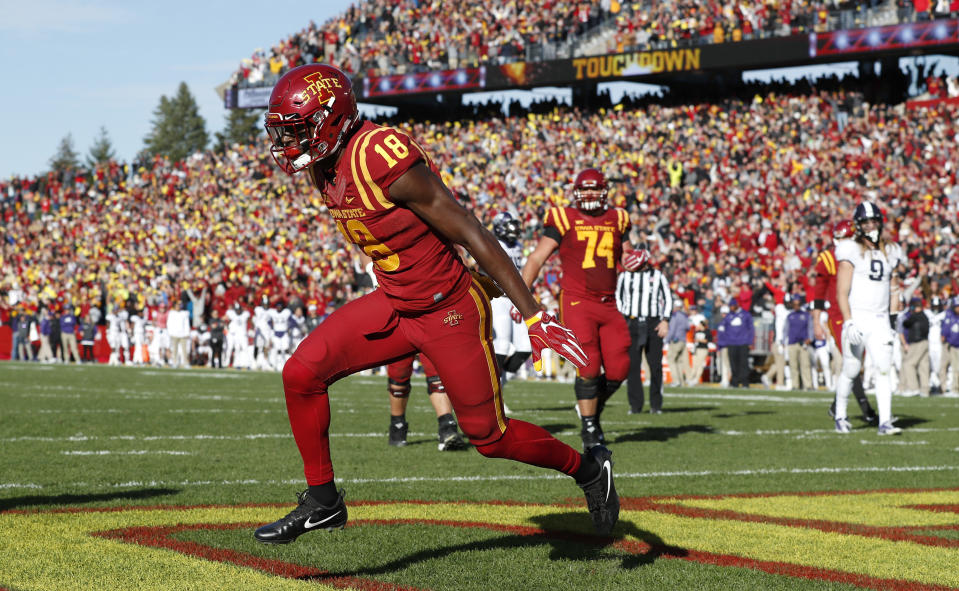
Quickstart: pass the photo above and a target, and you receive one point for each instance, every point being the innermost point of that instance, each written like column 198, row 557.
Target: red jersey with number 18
column 589, row 248
column 416, row 267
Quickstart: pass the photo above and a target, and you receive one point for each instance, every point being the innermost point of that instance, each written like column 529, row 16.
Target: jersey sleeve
column 847, row 250
column 382, row 155
column 622, row 223
column 556, row 223
column 825, row 268
column 894, row 255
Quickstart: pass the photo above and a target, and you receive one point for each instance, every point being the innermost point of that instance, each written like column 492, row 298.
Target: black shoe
column 398, row 433
column 308, row 515
column 450, row 438
column 601, row 497
column 655, row 411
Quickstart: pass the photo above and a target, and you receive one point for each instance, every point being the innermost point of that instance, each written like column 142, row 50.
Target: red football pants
column 402, row 370
column 835, row 327
column 602, row 332
column 368, row 332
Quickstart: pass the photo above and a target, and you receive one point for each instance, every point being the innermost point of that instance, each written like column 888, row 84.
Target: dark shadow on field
column 560, row 427
column 566, row 407
column 748, row 413
column 904, row 422
column 662, row 433
column 566, row 545
column 672, row 409
column 71, row 499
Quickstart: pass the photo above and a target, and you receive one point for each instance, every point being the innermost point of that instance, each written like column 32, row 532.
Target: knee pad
column 516, row 360
column 434, row 385
column 612, row 386
column 298, row 379
column 399, row 388
column 851, row 367
column 586, row 388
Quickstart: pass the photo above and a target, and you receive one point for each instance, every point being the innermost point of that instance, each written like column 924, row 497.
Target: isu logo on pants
column 452, row 318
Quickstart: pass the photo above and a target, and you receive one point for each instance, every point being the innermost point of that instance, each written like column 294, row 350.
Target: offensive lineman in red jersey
column 589, row 238
column 825, row 291
column 387, row 198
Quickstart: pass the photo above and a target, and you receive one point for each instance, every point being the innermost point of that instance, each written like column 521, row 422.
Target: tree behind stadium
column 242, row 127
column 65, row 157
column 178, row 128
column 101, row 150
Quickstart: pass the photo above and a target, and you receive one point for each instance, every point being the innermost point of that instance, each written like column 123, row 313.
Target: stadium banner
column 253, row 98
column 424, row 82
column 629, row 65
column 892, row 37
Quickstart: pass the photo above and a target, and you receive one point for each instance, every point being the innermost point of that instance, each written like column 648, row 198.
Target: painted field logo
column 885, row 539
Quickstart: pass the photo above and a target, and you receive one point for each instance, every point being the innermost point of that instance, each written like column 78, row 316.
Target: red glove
column 546, row 333
column 514, row 314
column 635, row 259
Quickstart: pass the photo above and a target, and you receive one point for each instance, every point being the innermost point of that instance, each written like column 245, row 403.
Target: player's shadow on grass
column 676, row 409
column 905, row 421
column 748, row 413
column 663, row 433
column 559, row 427
column 565, row 545
column 71, row 499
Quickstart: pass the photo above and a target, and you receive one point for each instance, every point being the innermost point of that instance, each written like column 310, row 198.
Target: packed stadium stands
column 730, row 189
column 405, row 36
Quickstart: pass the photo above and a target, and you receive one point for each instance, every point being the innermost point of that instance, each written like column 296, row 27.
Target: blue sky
column 74, row 66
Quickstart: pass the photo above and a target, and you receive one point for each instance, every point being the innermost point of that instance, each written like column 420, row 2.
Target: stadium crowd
column 730, row 195
column 397, row 37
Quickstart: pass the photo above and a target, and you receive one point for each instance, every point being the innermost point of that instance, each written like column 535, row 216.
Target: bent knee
column 298, row 379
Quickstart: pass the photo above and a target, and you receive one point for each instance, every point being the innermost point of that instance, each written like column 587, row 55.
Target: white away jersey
column 515, row 254
column 872, row 273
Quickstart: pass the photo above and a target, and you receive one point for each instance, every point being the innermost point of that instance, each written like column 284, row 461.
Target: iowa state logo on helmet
column 317, row 84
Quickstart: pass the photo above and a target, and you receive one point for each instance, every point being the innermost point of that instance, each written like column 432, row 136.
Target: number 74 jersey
column 872, row 274
column 589, row 248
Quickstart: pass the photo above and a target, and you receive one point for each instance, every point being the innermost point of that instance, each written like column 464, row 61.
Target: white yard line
column 134, row 452
column 487, row 478
column 892, row 442
column 813, row 433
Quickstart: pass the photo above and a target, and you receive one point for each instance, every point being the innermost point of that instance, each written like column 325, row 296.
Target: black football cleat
column 398, row 430
column 601, row 497
column 309, row 515
column 450, row 438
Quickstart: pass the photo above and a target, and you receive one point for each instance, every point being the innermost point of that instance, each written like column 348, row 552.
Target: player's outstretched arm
column 427, row 196
column 537, row 258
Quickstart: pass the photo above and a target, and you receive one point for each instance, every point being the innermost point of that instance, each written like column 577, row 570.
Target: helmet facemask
column 590, row 199
column 297, row 142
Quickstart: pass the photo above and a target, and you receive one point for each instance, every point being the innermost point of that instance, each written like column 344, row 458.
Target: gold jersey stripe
column 374, row 188
column 354, row 166
column 562, row 213
column 486, row 340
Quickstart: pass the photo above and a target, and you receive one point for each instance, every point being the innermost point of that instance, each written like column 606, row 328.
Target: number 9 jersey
column 872, row 274
column 589, row 248
column 415, row 266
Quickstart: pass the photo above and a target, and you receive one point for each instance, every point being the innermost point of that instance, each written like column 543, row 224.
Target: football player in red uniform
column 387, row 198
column 825, row 292
column 398, row 384
column 589, row 237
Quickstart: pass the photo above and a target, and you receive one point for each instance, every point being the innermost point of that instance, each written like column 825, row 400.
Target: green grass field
column 727, row 489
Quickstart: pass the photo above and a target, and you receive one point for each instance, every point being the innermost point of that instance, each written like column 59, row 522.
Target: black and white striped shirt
column 644, row 294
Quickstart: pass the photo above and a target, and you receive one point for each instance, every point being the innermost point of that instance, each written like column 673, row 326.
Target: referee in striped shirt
column 644, row 298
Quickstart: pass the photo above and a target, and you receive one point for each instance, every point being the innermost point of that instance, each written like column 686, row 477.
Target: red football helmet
column 589, row 190
column 312, row 110
column 842, row 229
